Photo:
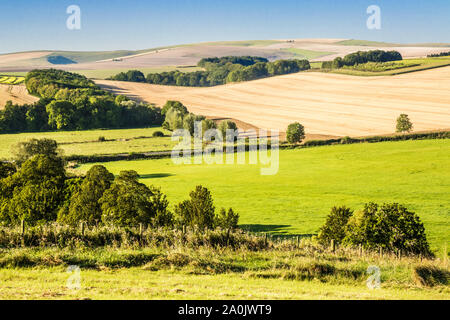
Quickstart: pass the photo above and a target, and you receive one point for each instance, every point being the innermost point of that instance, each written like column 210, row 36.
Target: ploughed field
column 325, row 103
column 311, row 181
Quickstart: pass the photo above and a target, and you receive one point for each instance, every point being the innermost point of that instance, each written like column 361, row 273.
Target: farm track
column 328, row 104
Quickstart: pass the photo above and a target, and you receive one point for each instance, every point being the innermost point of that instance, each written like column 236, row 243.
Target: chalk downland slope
column 328, row 104
column 190, row 54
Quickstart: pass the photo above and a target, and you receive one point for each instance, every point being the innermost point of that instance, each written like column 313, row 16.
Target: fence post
column 82, row 228
column 22, row 227
column 333, row 245
column 298, row 241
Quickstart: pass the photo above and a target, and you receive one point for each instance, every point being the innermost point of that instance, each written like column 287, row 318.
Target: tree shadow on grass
column 155, row 175
column 275, row 230
column 269, row 228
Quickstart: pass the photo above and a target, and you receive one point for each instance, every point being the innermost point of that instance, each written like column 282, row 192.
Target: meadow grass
column 311, row 181
column 205, row 273
column 86, row 142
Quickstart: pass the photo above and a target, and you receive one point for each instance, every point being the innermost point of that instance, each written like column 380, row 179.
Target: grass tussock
column 430, row 275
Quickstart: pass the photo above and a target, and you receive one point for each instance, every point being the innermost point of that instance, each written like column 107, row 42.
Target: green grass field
column 86, row 142
column 106, row 73
column 311, row 181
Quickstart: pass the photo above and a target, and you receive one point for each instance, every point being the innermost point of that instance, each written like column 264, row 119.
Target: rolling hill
column 190, row 54
column 327, row 104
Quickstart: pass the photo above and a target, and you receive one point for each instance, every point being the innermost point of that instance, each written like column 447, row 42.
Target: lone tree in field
column 404, row 124
column 295, row 133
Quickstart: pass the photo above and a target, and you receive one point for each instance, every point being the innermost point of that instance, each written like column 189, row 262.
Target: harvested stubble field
column 329, row 104
column 16, row 93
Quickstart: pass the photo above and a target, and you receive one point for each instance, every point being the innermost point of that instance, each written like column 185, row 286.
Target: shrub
column 390, row 226
column 199, row 211
column 227, row 219
column 101, row 139
column 334, row 227
column 157, row 134
column 295, row 133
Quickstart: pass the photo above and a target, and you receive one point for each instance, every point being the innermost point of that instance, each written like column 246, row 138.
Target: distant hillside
column 366, row 43
column 190, row 54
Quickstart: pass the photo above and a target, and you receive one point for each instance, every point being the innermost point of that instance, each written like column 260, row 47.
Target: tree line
column 37, row 189
column 437, row 55
column 219, row 71
column 362, row 57
column 177, row 117
column 70, row 101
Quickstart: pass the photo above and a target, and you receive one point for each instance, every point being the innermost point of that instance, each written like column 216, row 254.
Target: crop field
column 88, row 143
column 311, row 181
column 15, row 93
column 325, row 103
column 11, row 80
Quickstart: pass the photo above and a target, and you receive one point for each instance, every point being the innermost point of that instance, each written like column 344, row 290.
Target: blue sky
column 141, row 24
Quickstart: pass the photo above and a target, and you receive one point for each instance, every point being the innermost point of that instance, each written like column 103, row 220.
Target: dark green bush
column 390, row 226
column 158, row 134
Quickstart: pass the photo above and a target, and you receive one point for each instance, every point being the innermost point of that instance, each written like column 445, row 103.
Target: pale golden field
column 17, row 94
column 329, row 104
